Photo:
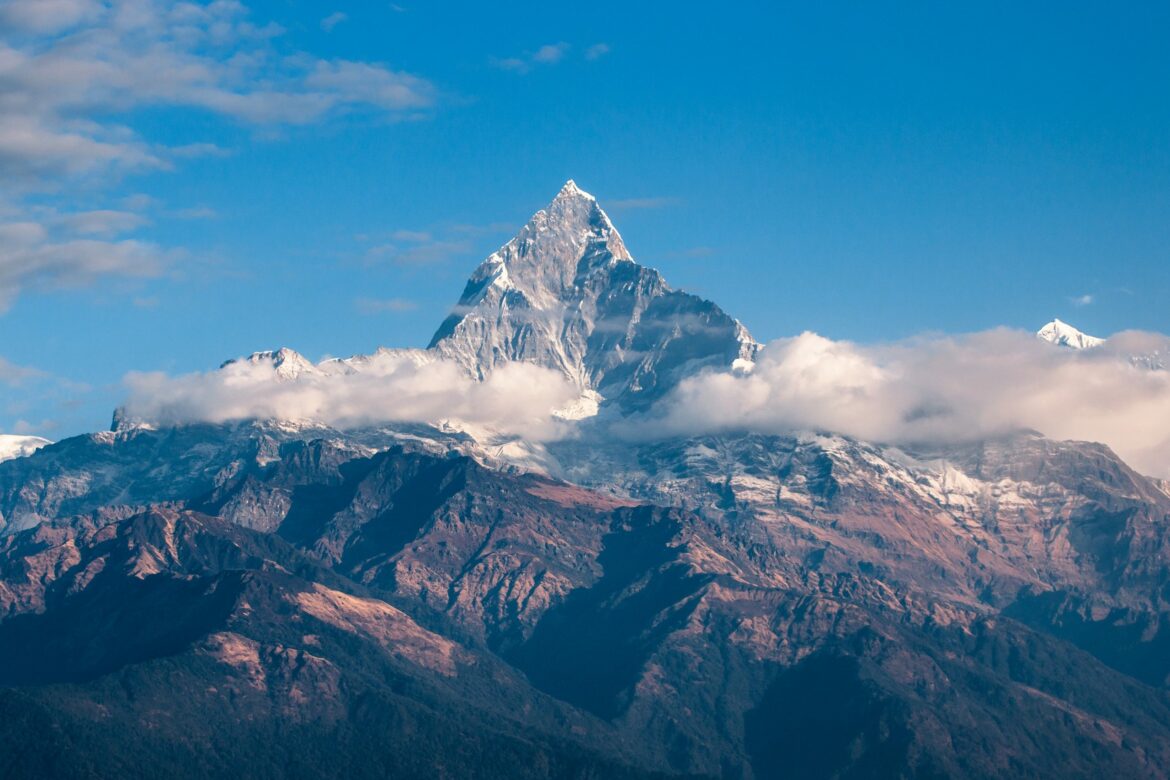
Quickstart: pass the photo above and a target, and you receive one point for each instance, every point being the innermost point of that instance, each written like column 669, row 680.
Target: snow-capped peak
column 571, row 190
column 286, row 363
column 1064, row 335
column 565, row 293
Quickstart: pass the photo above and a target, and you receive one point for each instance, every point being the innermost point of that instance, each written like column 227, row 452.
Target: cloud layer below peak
column 930, row 390
column 518, row 399
column 940, row 390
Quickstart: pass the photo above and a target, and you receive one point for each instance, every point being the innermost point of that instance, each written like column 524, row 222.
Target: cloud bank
column 935, row 390
column 518, row 399
column 940, row 390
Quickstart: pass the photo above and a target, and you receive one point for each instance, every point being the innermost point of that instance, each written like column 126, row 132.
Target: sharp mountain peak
column 565, row 293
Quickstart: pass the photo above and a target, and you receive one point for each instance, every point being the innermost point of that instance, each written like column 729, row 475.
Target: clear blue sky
column 324, row 176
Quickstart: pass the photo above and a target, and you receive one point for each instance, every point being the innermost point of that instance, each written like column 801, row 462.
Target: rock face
column 276, row 599
column 565, row 293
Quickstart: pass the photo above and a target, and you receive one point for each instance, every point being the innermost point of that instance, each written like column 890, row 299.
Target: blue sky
column 186, row 183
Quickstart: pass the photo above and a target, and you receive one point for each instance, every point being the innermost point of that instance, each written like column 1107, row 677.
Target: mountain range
column 287, row 596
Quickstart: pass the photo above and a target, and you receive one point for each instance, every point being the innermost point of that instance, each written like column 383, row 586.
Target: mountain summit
column 565, row 293
column 1064, row 335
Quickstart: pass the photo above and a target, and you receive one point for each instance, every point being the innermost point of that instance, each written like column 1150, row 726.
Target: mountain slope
column 697, row 635
column 566, row 294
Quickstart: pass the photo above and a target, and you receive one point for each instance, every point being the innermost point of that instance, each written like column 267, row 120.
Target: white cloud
column 104, row 222
column 549, row 54
column 597, row 51
column 47, row 255
column 332, row 20
column 517, row 399
column 48, row 16
column 1081, row 300
column 939, row 390
column 68, row 66
column 32, row 148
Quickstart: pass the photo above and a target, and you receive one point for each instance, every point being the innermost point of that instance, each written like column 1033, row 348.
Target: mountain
column 565, row 293
column 13, row 446
column 280, row 598
column 752, row 606
column 1064, row 335
column 285, row 363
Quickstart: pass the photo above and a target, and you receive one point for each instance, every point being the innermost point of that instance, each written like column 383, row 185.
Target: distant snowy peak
column 13, row 446
column 566, row 294
column 1064, row 335
column 286, row 363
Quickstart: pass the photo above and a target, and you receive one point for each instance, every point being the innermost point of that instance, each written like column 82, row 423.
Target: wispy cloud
column 106, row 222
column 194, row 212
column 414, row 236
column 548, row 54
column 1081, row 300
column 29, row 392
column 31, row 256
column 196, row 150
column 425, row 253
column 418, row 247
column 692, row 253
column 384, row 305
column 597, row 51
column 14, row 375
column 332, row 20
column 628, row 204
column 488, row 229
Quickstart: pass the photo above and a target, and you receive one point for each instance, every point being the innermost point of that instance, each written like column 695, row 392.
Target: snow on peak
column 566, row 294
column 1064, row 335
column 13, row 446
column 571, row 190
column 286, row 363
column 563, row 246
